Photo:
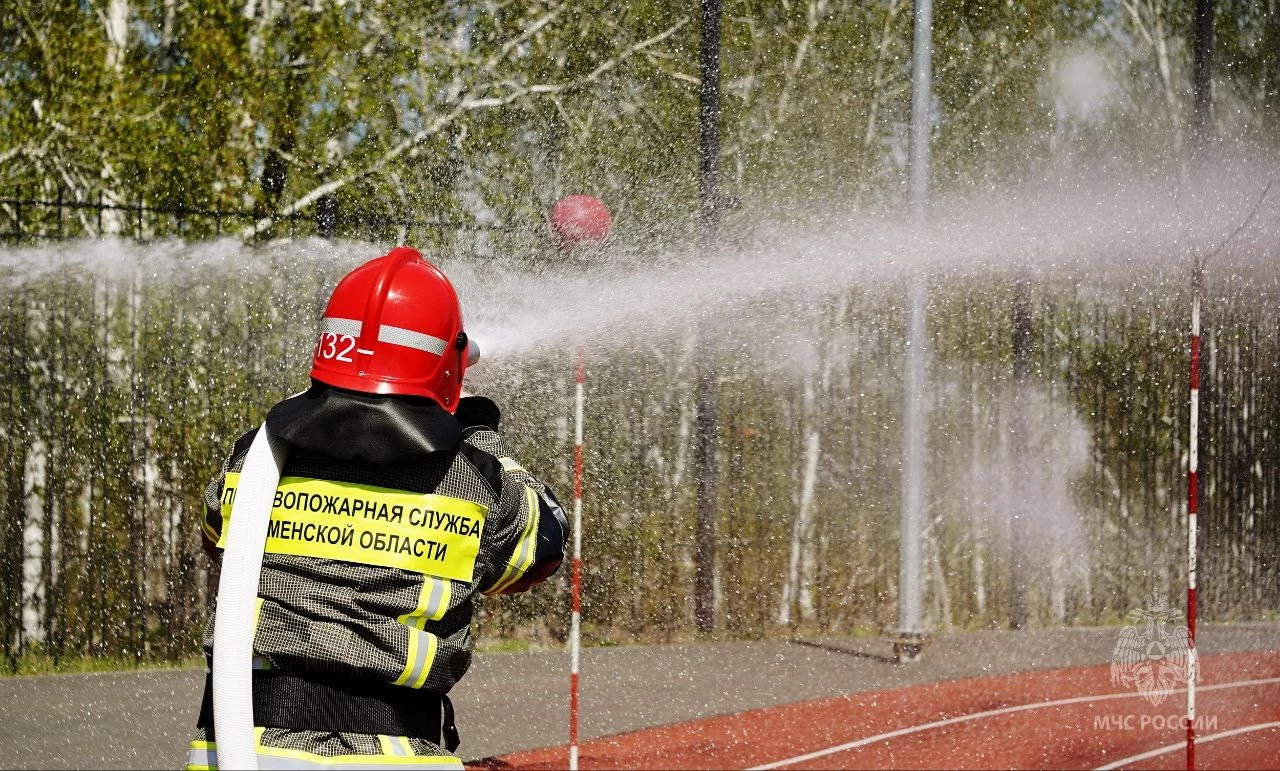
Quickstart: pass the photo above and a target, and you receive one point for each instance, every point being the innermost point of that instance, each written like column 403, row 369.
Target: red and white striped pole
column 1193, row 466
column 575, row 627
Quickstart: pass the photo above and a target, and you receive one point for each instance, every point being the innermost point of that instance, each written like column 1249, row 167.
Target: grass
column 40, row 663
column 503, row 645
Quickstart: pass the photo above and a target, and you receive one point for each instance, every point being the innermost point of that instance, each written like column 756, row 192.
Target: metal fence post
column 910, row 635
column 705, row 392
column 327, row 216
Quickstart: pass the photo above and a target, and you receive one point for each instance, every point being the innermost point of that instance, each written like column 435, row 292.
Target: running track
column 1066, row 718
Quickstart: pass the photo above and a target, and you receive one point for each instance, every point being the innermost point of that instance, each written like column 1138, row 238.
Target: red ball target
column 580, row 219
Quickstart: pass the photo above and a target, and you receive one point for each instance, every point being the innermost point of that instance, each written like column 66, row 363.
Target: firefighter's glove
column 477, row 412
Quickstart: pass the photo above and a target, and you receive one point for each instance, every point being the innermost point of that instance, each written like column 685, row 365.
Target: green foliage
column 489, row 112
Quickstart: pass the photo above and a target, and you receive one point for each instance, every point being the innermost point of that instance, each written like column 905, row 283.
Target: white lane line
column 1182, row 745
column 988, row 713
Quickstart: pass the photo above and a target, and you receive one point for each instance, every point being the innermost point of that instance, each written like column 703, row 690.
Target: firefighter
column 398, row 503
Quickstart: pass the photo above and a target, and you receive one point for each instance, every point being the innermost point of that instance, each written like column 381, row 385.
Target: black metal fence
column 25, row 218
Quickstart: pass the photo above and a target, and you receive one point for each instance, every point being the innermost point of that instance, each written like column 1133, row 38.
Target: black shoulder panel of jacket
column 211, row 522
column 423, row 475
column 241, row 446
column 372, row 428
column 489, row 467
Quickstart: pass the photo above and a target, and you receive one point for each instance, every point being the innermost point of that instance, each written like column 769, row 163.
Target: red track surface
column 1086, row 733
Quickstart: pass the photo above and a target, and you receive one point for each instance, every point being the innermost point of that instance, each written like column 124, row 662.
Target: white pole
column 910, row 584
column 1193, row 468
column 575, row 628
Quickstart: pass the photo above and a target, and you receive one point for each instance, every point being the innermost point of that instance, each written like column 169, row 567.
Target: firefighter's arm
column 534, row 545
column 211, row 525
column 543, row 531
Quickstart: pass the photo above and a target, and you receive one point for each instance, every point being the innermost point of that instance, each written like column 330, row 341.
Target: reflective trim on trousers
column 396, row 746
column 205, row 758
column 202, row 757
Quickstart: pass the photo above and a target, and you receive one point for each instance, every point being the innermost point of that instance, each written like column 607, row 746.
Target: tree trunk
column 1202, row 74
column 704, row 460
column 116, row 23
column 796, row 590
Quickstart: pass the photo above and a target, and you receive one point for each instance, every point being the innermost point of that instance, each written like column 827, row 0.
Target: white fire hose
column 233, row 626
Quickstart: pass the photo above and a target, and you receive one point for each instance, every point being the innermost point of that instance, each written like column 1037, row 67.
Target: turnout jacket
column 389, row 519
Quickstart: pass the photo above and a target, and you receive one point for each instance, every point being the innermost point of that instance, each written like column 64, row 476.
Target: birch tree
column 796, row 589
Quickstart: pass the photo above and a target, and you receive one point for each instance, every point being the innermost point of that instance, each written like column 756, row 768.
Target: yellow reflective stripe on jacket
column 522, row 556
column 230, row 481
column 510, row 464
column 421, row 655
column 435, row 535
column 203, row 756
column 433, row 601
column 209, row 532
column 258, row 661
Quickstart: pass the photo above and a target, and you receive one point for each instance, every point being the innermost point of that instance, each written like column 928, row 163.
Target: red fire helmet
column 393, row 326
column 579, row 219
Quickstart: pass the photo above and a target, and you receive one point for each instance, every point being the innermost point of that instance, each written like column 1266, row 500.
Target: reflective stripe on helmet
column 337, row 326
column 410, row 339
